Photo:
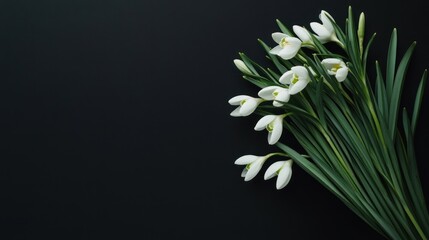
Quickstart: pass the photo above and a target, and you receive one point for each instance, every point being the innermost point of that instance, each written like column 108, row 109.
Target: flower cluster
column 357, row 141
column 290, row 82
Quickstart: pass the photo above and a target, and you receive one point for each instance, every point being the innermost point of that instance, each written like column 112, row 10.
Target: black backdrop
column 115, row 123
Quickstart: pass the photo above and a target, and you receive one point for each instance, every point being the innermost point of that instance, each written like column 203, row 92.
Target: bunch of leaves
column 359, row 142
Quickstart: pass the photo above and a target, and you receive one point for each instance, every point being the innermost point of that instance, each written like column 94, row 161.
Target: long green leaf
column 382, row 102
column 397, row 90
column 418, row 101
column 273, row 58
column 365, row 54
column 283, row 28
column 391, row 63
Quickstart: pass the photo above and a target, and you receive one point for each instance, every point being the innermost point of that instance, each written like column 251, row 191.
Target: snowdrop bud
column 361, row 30
column 302, row 34
column 242, row 66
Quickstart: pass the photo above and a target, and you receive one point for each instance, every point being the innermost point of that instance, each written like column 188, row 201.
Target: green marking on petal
column 242, row 102
column 270, row 126
column 335, row 68
column 283, row 43
column 275, row 93
column 295, row 79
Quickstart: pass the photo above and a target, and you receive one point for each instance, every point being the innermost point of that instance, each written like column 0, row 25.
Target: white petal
column 275, row 135
column 331, row 72
column 276, row 50
column 236, row 112
column 298, row 87
column 246, row 159
column 290, row 51
column 300, row 71
column 326, row 22
column 329, row 62
column 254, row 169
column 272, row 170
column 244, row 172
column 264, row 121
column 293, row 42
column 282, row 98
column 248, row 107
column 302, row 33
column 327, row 14
column 286, row 77
column 341, row 74
column 237, row 99
column 277, row 36
column 320, row 30
column 267, row 92
column 284, row 175
column 277, row 104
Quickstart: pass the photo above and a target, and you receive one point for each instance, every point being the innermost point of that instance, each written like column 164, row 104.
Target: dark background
column 115, row 123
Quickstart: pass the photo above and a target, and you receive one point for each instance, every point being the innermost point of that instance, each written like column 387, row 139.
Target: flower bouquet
column 355, row 141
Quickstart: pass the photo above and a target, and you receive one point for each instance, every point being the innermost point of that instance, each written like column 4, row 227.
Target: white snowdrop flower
column 274, row 126
column 336, row 67
column 325, row 31
column 246, row 105
column 282, row 169
column 280, row 95
column 253, row 165
column 288, row 46
column 297, row 78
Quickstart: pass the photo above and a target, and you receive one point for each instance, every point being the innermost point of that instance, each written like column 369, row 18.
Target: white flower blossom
column 280, row 95
column 274, row 126
column 246, row 105
column 325, row 31
column 288, row 46
column 253, row 165
column 336, row 67
column 297, row 78
column 283, row 169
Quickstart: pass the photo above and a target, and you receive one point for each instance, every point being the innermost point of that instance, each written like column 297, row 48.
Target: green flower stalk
column 356, row 141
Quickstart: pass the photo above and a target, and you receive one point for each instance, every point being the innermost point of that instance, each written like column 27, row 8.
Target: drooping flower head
column 336, row 67
column 246, row 105
column 282, row 169
column 297, row 78
column 288, row 46
column 274, row 126
column 278, row 94
column 325, row 31
column 253, row 165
